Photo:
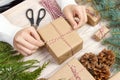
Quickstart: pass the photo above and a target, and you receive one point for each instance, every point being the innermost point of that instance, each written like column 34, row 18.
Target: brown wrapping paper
column 115, row 77
column 73, row 70
column 101, row 33
column 61, row 41
column 93, row 16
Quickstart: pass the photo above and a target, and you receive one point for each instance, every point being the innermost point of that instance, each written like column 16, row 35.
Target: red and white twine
column 52, row 7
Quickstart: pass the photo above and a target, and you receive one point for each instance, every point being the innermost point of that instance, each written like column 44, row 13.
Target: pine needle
column 110, row 10
column 13, row 68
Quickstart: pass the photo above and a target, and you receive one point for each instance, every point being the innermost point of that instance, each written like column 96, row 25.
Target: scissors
column 30, row 16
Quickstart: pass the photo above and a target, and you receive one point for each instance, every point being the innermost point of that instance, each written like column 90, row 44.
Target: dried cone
column 100, row 72
column 106, row 57
column 89, row 60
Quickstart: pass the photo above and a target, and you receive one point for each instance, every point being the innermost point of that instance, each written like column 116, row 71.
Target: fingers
column 24, row 51
column 85, row 14
column 34, row 33
column 81, row 15
column 78, row 13
column 69, row 15
column 73, row 11
column 35, row 38
column 33, row 41
column 26, row 44
column 24, row 47
column 70, row 18
column 27, row 41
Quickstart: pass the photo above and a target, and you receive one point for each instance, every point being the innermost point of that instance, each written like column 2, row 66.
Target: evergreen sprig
column 13, row 68
column 5, row 47
column 110, row 11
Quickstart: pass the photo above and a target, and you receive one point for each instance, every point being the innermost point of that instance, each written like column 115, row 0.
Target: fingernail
column 75, row 27
column 36, row 48
column 41, row 43
column 77, row 19
column 33, row 51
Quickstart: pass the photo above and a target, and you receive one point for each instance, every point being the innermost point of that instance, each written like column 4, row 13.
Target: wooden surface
column 16, row 15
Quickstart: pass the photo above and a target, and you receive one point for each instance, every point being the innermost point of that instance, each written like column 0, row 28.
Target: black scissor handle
column 41, row 15
column 30, row 16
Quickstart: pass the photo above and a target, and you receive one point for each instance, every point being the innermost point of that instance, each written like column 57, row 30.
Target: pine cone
column 89, row 60
column 100, row 72
column 106, row 57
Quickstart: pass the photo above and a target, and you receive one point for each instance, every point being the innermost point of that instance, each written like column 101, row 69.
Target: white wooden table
column 16, row 15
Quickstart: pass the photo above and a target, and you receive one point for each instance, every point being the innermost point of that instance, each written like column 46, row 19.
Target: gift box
column 93, row 16
column 61, row 41
column 101, row 33
column 115, row 77
column 73, row 70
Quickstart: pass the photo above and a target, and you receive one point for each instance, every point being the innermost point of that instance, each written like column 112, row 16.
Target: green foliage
column 13, row 68
column 116, row 66
column 110, row 10
column 113, row 43
column 5, row 47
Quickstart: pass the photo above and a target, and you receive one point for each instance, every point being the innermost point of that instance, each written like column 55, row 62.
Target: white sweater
column 7, row 31
column 4, row 2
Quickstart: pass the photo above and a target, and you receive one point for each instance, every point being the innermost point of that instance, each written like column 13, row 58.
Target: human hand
column 72, row 11
column 27, row 41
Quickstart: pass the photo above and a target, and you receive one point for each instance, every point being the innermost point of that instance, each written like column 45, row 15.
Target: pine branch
column 116, row 66
column 13, row 68
column 112, row 42
column 110, row 11
column 33, row 75
column 106, row 5
column 5, row 47
column 115, row 23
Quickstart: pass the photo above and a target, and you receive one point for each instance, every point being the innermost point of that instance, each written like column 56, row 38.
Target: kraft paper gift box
column 93, row 16
column 73, row 70
column 115, row 77
column 101, row 33
column 61, row 41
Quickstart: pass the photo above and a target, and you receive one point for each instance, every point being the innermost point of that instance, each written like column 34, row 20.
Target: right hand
column 72, row 11
column 27, row 41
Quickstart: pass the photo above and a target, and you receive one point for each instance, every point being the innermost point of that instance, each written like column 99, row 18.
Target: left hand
column 72, row 11
column 27, row 41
